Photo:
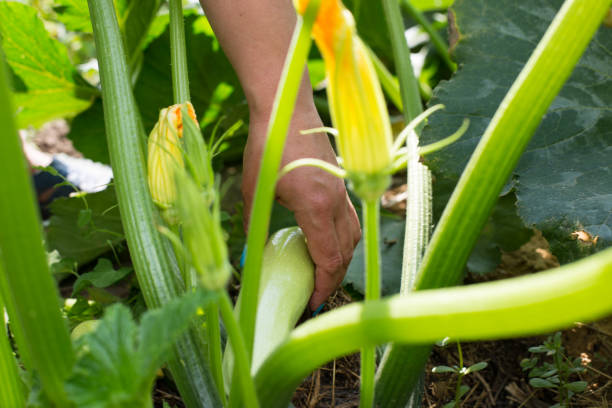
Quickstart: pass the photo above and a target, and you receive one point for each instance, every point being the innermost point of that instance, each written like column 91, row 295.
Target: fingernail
column 316, row 312
column 243, row 257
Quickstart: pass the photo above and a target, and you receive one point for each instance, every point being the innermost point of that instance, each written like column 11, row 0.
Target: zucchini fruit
column 287, row 282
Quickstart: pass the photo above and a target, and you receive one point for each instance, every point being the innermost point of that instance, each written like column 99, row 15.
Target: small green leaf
column 427, row 5
column 576, row 386
column 538, row 349
column 443, row 369
column 529, row 363
column 541, row 383
column 102, row 276
column 476, row 367
column 462, row 390
column 449, row 405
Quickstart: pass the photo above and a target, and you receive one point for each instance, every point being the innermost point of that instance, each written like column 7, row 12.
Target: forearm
column 255, row 35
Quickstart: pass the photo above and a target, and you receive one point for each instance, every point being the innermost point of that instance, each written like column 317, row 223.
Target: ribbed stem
column 280, row 118
column 178, row 53
column 27, row 285
column 371, row 215
column 11, row 392
column 157, row 275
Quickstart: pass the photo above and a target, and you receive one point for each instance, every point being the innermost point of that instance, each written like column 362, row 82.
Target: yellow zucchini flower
column 357, row 105
column 165, row 154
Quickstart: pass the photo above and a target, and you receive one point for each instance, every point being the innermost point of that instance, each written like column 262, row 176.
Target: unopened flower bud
column 357, row 105
column 165, row 154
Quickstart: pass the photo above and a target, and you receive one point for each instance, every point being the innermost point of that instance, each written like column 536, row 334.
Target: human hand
column 318, row 200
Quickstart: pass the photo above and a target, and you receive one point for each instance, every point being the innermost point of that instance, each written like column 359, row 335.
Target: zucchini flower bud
column 165, row 154
column 202, row 233
column 357, row 105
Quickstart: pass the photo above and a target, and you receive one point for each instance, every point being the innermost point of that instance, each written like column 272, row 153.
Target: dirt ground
column 501, row 384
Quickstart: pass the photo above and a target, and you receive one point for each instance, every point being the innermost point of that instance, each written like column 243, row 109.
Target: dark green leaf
column 391, row 245
column 541, row 383
column 562, row 183
column 99, row 236
column 48, row 86
column 504, row 231
column 84, row 217
column 102, row 276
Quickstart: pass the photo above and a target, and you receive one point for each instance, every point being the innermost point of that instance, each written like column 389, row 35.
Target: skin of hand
column 255, row 35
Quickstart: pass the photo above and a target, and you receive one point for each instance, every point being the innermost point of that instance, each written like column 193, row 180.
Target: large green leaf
column 98, row 235
column 118, row 360
column 563, row 181
column 215, row 89
column 47, row 86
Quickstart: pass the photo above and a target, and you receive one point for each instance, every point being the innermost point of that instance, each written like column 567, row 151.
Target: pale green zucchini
column 287, row 282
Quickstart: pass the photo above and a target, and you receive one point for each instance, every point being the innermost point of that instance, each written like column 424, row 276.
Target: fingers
column 331, row 239
column 325, row 252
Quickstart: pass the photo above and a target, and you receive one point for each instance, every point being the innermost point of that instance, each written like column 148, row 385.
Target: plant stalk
column 27, row 286
column 437, row 41
column 242, row 365
column 371, row 216
column 156, row 273
column 409, row 85
column 178, row 53
column 280, row 118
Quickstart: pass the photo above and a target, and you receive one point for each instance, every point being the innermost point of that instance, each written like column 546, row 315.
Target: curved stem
column 371, row 210
column 280, row 118
column 526, row 305
column 178, row 53
column 242, row 367
column 318, row 163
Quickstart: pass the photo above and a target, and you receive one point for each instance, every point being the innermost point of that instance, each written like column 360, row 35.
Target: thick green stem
column 526, row 305
column 242, row 366
column 157, row 275
column 280, row 118
column 437, row 41
column 178, row 53
column 371, row 215
column 11, row 392
column 409, row 86
column 27, row 286
column 215, row 354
